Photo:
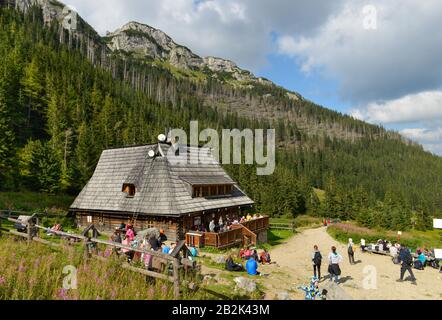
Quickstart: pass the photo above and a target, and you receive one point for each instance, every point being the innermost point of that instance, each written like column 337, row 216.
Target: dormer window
column 209, row 186
column 129, row 190
column 211, row 191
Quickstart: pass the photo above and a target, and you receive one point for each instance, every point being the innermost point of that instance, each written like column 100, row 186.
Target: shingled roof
column 161, row 182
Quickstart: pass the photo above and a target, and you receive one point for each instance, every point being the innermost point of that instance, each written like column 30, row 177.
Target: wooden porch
column 241, row 235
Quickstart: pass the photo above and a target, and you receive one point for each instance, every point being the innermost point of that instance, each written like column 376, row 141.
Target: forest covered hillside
column 65, row 96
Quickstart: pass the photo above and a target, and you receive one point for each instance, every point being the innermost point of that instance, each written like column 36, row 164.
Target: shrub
column 35, row 272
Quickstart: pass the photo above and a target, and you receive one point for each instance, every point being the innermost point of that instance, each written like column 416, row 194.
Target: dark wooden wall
column 108, row 222
column 175, row 228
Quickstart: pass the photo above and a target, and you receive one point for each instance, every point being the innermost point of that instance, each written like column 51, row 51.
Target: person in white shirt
column 362, row 244
column 212, row 226
column 334, row 259
column 393, row 251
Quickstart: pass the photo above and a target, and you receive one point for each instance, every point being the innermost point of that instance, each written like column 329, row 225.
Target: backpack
column 317, row 258
column 407, row 259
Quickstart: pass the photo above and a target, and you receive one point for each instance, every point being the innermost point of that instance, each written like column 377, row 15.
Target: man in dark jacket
column 406, row 264
column 316, row 260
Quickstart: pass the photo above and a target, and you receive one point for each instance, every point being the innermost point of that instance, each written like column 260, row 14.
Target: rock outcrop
column 152, row 43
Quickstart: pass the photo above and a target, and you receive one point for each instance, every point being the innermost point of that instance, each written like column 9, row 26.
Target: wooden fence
column 178, row 263
column 283, row 226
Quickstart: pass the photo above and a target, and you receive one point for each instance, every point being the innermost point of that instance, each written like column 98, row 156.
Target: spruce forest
column 64, row 99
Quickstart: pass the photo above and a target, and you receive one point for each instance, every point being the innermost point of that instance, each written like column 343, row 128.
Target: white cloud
column 431, row 139
column 240, row 30
column 401, row 56
column 426, row 135
column 424, row 106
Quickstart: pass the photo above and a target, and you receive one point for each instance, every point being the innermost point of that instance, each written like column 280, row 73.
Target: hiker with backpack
column 351, row 251
column 316, row 260
column 334, row 259
column 406, row 264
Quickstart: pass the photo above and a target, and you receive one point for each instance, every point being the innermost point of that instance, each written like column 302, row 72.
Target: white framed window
column 89, row 219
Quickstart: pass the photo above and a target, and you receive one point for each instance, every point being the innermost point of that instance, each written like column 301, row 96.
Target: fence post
column 176, row 279
column 29, row 231
column 86, row 248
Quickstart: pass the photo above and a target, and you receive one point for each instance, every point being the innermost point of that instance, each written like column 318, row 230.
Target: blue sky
column 376, row 60
column 285, row 72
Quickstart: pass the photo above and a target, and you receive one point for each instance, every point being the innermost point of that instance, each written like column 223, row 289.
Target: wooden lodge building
column 146, row 187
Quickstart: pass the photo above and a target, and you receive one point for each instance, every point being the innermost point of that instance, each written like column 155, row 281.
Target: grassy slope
column 35, row 272
column 412, row 238
column 35, row 202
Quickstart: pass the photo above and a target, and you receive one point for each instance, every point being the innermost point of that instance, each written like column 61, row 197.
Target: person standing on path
column 406, row 264
column 334, row 259
column 316, row 260
column 351, row 251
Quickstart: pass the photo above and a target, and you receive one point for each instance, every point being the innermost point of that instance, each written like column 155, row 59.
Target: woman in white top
column 334, row 259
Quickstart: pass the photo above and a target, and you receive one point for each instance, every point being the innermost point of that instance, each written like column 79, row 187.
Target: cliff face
column 155, row 44
column 52, row 10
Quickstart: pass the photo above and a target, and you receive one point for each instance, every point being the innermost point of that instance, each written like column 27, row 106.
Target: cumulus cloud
column 400, row 56
column 391, row 72
column 423, row 106
column 431, row 139
column 240, row 30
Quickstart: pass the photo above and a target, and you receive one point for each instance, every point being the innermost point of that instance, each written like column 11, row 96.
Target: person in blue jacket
column 252, row 267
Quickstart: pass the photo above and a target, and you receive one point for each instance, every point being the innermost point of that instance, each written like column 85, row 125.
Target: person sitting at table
column 423, row 259
column 232, row 266
column 394, row 251
column 249, row 217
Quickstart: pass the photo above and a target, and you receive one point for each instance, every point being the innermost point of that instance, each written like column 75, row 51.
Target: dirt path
column 293, row 268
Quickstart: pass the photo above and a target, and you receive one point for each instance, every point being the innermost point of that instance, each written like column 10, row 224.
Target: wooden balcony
column 241, row 234
column 256, row 225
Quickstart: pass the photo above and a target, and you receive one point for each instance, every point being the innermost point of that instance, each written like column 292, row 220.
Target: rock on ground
column 245, row 284
column 335, row 292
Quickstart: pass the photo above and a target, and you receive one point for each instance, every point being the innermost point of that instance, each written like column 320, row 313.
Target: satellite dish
column 162, row 138
column 151, row 153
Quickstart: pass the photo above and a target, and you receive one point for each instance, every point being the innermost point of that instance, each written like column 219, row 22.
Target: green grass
column 35, row 272
column 299, row 221
column 35, row 202
column 275, row 238
column 412, row 239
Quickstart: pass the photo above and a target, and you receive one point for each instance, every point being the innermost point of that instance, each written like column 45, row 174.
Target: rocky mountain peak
column 146, row 41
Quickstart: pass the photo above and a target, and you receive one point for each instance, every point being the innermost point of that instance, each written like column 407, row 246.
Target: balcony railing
column 240, row 234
